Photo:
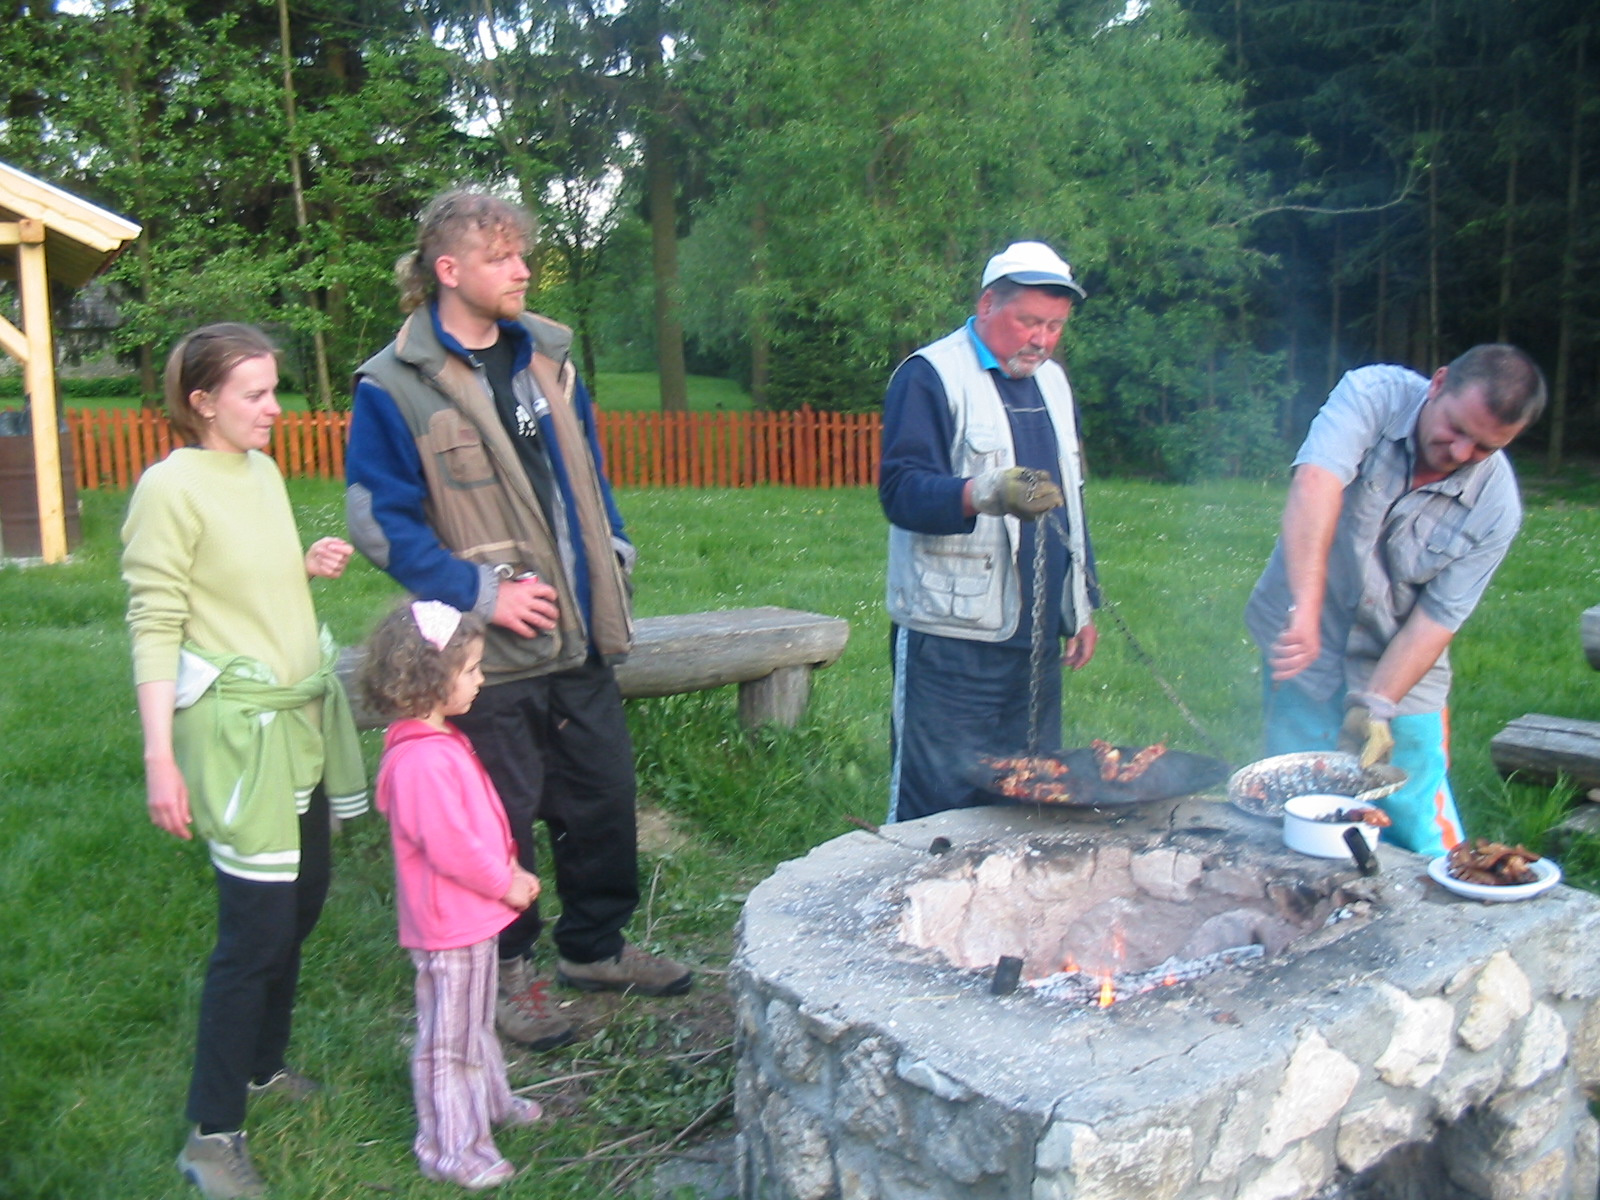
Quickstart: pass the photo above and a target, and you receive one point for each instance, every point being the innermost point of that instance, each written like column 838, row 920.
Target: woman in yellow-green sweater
column 247, row 732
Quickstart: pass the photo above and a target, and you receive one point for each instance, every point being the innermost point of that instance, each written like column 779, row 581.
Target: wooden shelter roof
column 81, row 239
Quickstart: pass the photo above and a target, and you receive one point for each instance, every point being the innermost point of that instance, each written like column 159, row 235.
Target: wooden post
column 775, row 699
column 39, row 374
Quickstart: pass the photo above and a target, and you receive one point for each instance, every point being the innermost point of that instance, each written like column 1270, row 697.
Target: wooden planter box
column 19, row 498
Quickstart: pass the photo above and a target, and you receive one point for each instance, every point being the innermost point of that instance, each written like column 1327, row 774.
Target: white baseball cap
column 1032, row 264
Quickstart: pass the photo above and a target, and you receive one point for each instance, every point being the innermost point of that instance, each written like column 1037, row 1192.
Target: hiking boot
column 633, row 970
column 524, row 1012
column 219, row 1165
column 289, row 1084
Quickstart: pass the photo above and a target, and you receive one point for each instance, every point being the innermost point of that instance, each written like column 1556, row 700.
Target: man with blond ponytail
column 475, row 479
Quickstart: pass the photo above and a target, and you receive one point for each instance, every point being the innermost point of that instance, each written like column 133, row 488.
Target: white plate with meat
column 1546, row 875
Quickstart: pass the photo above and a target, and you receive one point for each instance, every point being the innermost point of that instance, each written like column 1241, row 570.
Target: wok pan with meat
column 1099, row 775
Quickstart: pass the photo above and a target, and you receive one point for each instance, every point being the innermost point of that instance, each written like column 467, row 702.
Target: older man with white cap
column 980, row 441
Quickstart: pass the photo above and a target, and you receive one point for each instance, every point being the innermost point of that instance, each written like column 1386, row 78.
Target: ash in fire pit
column 1095, row 920
column 1426, row 1047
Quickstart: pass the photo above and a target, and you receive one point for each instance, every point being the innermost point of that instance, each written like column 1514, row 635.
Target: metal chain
column 1039, row 651
column 1055, row 519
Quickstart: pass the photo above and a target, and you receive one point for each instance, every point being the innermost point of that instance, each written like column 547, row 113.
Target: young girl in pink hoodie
column 458, row 883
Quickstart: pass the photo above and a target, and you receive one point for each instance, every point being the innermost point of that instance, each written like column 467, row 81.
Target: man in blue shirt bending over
column 1402, row 506
column 980, row 441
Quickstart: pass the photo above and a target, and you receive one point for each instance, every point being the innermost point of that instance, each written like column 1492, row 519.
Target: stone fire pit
column 1392, row 1041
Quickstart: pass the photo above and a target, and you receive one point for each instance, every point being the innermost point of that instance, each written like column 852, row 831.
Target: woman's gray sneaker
column 219, row 1165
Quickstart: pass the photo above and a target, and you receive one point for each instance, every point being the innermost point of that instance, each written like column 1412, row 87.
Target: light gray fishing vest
column 967, row 585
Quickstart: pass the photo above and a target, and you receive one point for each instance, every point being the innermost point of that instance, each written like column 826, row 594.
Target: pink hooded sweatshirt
column 452, row 844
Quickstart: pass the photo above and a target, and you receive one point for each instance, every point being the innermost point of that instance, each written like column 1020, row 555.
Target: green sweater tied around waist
column 252, row 753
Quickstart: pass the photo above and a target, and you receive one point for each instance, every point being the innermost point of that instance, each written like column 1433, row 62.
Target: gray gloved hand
column 1015, row 491
column 1365, row 731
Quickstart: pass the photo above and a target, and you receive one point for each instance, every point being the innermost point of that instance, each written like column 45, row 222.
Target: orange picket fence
column 112, row 447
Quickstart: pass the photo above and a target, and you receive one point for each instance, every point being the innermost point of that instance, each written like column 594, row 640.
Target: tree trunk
column 1335, row 307
column 760, row 319
column 664, row 261
column 1380, row 325
column 1436, row 151
column 1569, row 262
column 1508, row 234
column 1432, row 357
column 661, row 190
column 149, row 385
column 322, row 398
column 582, row 288
column 1291, row 357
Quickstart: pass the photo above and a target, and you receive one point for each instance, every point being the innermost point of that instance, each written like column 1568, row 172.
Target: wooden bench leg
column 776, row 699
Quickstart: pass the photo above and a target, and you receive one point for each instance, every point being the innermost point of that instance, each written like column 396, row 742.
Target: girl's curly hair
column 404, row 675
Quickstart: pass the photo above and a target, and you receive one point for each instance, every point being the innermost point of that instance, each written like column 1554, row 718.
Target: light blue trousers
column 1423, row 809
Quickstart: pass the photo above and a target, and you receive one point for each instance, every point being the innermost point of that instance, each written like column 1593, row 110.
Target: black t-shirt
column 521, row 423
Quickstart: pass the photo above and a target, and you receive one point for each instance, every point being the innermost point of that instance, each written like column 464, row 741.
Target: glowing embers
column 1073, row 985
column 1096, row 922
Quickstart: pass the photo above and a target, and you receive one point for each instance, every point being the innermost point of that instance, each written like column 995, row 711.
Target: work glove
column 1365, row 731
column 1015, row 491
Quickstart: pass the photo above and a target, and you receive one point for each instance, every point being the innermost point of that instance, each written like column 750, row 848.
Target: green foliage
column 813, row 364
column 867, row 212
column 1429, row 158
column 186, row 133
column 1257, row 196
column 98, row 387
column 1217, row 443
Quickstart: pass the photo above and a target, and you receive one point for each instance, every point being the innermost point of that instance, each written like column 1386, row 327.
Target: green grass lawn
column 615, row 391
column 640, row 391
column 106, row 921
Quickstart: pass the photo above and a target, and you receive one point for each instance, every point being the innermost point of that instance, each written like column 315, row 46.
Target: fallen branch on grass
column 627, row 1173
column 686, row 1056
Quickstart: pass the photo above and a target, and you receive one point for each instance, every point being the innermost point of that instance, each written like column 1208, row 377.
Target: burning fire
column 1119, row 953
column 1102, row 982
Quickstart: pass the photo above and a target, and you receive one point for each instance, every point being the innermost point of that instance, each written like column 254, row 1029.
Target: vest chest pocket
column 459, row 452
column 957, row 587
column 983, row 448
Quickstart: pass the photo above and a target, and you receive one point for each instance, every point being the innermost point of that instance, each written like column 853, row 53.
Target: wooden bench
column 1540, row 748
column 769, row 652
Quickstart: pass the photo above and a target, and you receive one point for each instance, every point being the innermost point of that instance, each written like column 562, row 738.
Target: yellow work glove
column 1365, row 731
column 1016, row 491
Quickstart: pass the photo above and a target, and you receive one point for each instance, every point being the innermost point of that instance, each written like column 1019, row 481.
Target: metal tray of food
column 1261, row 787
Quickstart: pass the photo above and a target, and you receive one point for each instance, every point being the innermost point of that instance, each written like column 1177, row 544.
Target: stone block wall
column 1443, row 1051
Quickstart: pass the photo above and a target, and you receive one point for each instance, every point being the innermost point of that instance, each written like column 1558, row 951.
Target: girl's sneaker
column 523, row 1112
column 494, row 1176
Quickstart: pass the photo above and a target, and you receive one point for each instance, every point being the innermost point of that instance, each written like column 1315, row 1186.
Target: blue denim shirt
column 1395, row 548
